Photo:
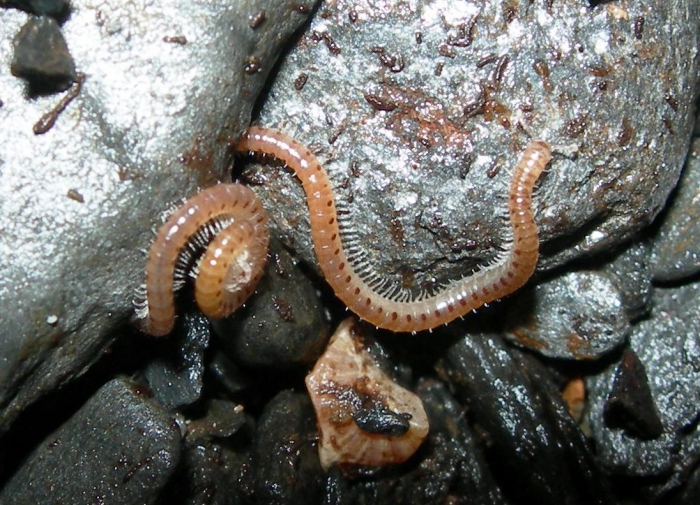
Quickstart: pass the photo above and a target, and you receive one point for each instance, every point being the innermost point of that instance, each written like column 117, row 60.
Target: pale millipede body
column 229, row 269
column 384, row 308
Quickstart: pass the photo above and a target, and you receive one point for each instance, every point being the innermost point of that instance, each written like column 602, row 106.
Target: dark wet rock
column 668, row 348
column 120, row 447
column 578, row 315
column 676, row 252
column 41, row 56
column 154, row 121
column 630, row 405
column 420, row 114
column 221, row 419
column 282, row 324
column 631, row 274
column 176, row 374
column 231, row 378
column 688, row 494
column 55, row 8
column 538, row 453
column 211, row 476
column 285, row 466
column 453, row 460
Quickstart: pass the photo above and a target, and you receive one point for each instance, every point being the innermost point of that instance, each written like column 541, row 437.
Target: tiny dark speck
column 252, row 65
column 639, row 27
column 176, row 39
column 576, row 126
column 47, row 121
column 302, row 9
column 378, row 103
column 254, row 21
column 671, row 101
column 300, row 81
column 75, row 195
column 283, row 308
column 439, row 68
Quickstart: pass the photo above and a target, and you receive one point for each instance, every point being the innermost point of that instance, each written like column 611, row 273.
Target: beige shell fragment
column 364, row 418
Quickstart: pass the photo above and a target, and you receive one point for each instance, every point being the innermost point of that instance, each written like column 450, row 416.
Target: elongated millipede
column 506, row 274
column 384, row 308
column 226, row 274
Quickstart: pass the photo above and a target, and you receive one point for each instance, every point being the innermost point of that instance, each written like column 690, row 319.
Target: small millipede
column 368, row 297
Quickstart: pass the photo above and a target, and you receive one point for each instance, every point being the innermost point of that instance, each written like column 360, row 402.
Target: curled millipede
column 227, row 272
column 388, row 308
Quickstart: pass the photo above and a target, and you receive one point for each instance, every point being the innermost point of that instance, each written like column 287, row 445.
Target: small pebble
column 285, row 463
column 579, row 315
column 630, row 272
column 41, row 56
column 668, row 347
column 176, row 376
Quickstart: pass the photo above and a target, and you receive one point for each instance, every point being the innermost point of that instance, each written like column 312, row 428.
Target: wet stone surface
column 419, row 110
column 120, row 447
column 282, row 324
column 152, row 122
column 530, row 434
column 176, row 374
column 668, row 348
column 284, row 463
column 676, row 253
column 630, row 272
column 629, row 405
column 579, row 315
column 434, row 102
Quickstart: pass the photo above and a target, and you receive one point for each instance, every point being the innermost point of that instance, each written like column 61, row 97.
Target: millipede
column 372, row 299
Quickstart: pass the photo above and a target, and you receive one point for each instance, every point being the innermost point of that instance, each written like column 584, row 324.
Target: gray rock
column 211, row 478
column 282, row 324
column 630, row 405
column 285, row 466
column 511, row 397
column 453, row 461
column 421, row 112
column 630, row 272
column 176, row 374
column 668, row 347
column 159, row 106
column 41, row 56
column 119, row 448
column 577, row 316
column 676, row 252
column 229, row 376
